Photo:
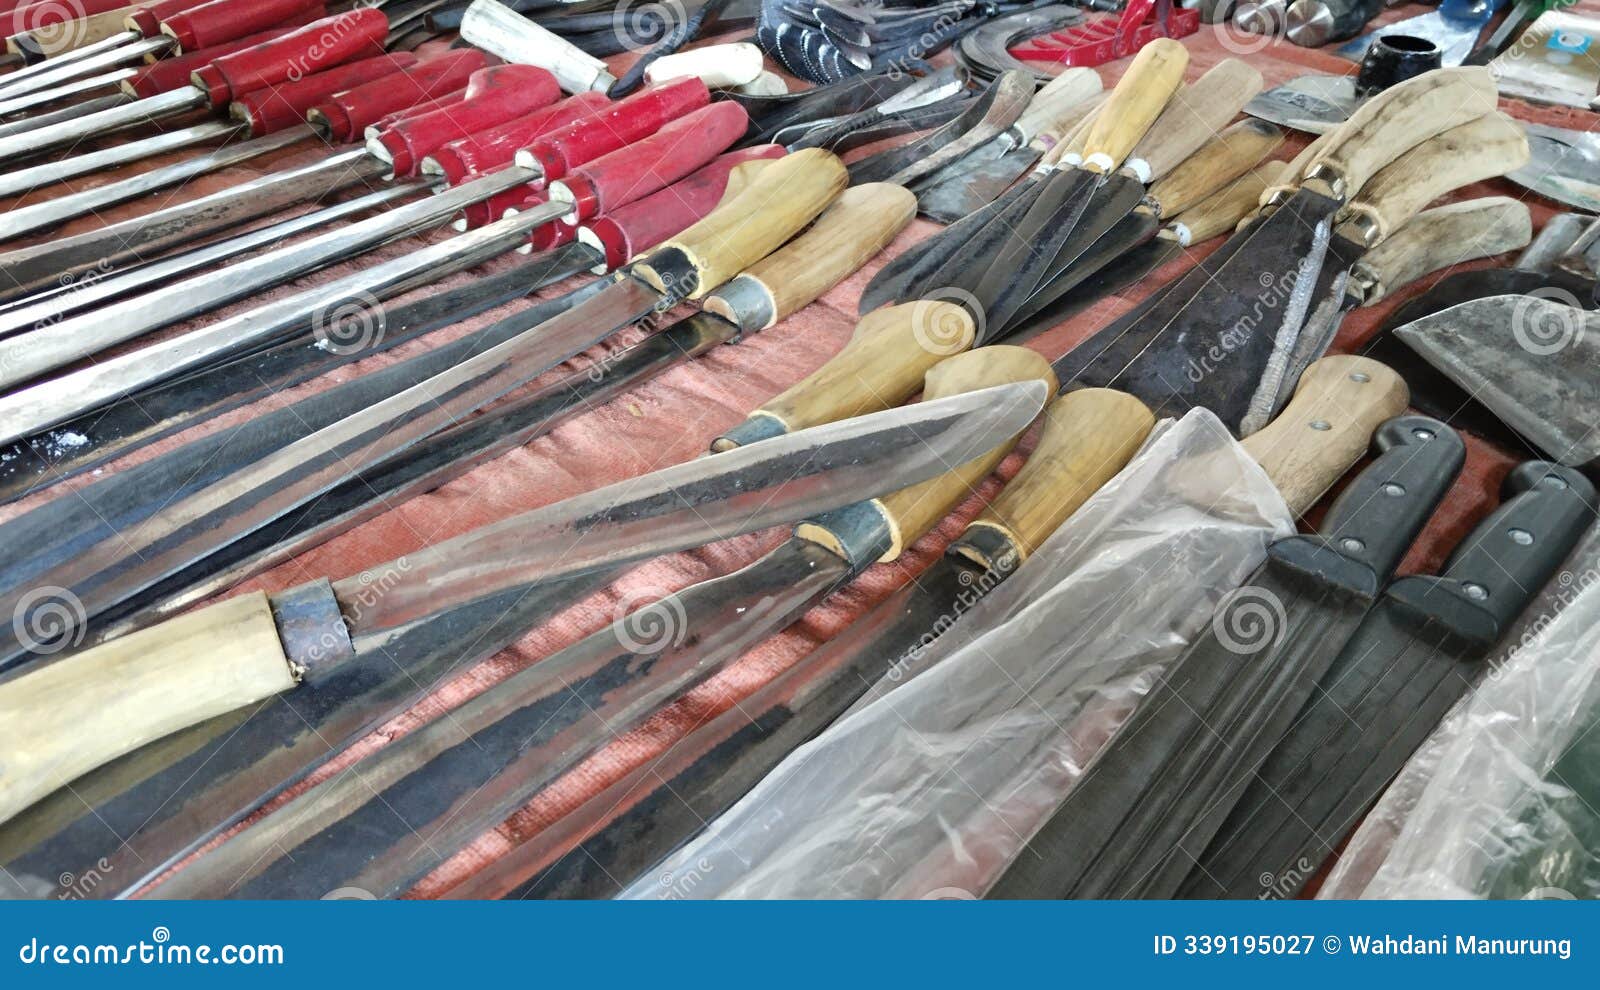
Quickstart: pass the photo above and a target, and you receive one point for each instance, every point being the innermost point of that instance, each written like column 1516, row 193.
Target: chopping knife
column 415, row 802
column 245, row 649
column 1417, row 652
column 1088, row 435
column 1232, row 316
column 287, row 474
column 977, row 178
column 1155, row 782
column 1527, row 361
column 986, row 117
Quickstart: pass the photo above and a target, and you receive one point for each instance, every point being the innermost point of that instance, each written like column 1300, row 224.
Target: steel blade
column 10, row 106
column 288, row 476
column 978, row 180
column 64, row 59
column 64, row 115
column 108, row 57
column 1080, row 262
column 414, row 803
column 1315, row 104
column 1563, row 165
column 41, row 139
column 25, row 180
column 1526, row 359
column 1130, row 268
column 752, row 487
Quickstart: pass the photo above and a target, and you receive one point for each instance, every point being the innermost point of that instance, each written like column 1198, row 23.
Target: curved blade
column 749, row 488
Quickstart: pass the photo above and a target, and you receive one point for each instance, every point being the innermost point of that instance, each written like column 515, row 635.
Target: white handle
column 766, row 84
column 502, row 31
column 719, row 66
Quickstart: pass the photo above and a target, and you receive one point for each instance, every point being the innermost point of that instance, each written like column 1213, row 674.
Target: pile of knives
column 709, row 203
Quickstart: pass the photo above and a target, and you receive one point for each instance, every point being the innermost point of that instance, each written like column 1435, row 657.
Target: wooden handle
column 1326, row 427
column 1222, row 211
column 1074, row 130
column 719, row 66
column 1443, row 237
column 789, row 193
column 1491, row 145
column 1397, row 120
column 882, row 365
column 1226, row 157
column 1057, row 107
column 65, row 36
column 860, row 223
column 1193, row 117
column 1138, row 99
column 1290, row 180
column 1088, row 436
column 82, row 711
column 913, row 511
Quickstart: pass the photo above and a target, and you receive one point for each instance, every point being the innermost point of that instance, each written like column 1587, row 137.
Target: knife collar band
column 671, row 272
column 1140, row 168
column 991, row 545
column 762, row 425
column 1100, row 162
column 1180, row 233
column 311, row 627
column 745, row 302
column 861, row 534
column 1360, row 228
column 1325, row 179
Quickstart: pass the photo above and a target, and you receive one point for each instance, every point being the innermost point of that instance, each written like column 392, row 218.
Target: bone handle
column 1231, row 154
column 1056, row 107
column 1443, row 237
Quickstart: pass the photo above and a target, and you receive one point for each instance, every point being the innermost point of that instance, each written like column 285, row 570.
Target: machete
column 417, row 801
column 1226, row 318
column 1261, row 655
column 743, row 229
column 1088, row 435
column 863, row 219
column 985, row 117
column 246, row 649
column 1417, row 652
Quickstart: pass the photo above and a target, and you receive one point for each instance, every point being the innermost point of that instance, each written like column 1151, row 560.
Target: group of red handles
column 634, row 172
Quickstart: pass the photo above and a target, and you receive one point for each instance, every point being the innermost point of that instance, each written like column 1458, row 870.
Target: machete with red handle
column 317, row 46
column 555, row 154
column 157, row 30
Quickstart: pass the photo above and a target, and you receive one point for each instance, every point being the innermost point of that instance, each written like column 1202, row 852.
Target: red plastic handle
column 173, row 73
column 49, row 13
column 644, row 223
column 426, row 106
column 491, row 209
column 276, row 107
column 224, row 20
column 317, row 46
column 147, row 19
column 621, row 123
column 347, row 114
column 551, row 235
column 653, row 163
column 494, row 96
column 494, row 148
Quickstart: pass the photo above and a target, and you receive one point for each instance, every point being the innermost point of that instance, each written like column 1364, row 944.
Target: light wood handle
column 787, row 195
column 718, row 66
column 1326, row 426
column 1492, row 145
column 83, row 711
column 65, row 36
column 1193, row 117
column 860, row 223
column 1226, row 157
column 1290, row 180
column 1397, row 120
column 912, row 511
column 1222, row 211
column 1088, row 436
column 1138, row 99
column 1443, row 237
column 1074, row 133
column 1055, row 108
column 882, row 365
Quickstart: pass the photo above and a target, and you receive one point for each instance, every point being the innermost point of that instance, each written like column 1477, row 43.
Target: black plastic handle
column 1378, row 514
column 1510, row 555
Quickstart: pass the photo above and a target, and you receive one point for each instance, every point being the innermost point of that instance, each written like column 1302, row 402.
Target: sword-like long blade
column 749, row 488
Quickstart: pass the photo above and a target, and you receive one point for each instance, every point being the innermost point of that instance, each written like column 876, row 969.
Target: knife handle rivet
column 1422, row 434
column 1351, row 545
column 1320, row 425
column 1520, row 537
column 1394, row 488
column 1360, row 376
column 1476, row 591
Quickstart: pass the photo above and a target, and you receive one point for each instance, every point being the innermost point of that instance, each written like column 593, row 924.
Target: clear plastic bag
column 934, row 781
column 1503, row 800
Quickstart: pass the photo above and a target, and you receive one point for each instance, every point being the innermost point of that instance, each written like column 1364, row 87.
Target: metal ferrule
column 761, row 425
column 1326, row 175
column 745, row 302
column 989, row 546
column 671, row 272
column 311, row 627
column 859, row 533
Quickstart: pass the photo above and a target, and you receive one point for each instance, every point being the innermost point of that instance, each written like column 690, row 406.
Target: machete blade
column 1528, row 360
column 982, row 176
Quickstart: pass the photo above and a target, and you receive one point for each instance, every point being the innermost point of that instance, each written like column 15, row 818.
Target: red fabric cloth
column 672, row 419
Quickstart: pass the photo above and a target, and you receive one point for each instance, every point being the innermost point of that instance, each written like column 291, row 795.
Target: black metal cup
column 1394, row 58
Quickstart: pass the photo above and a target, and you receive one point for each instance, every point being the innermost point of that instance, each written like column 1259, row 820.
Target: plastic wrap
column 1503, row 800
column 934, row 781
